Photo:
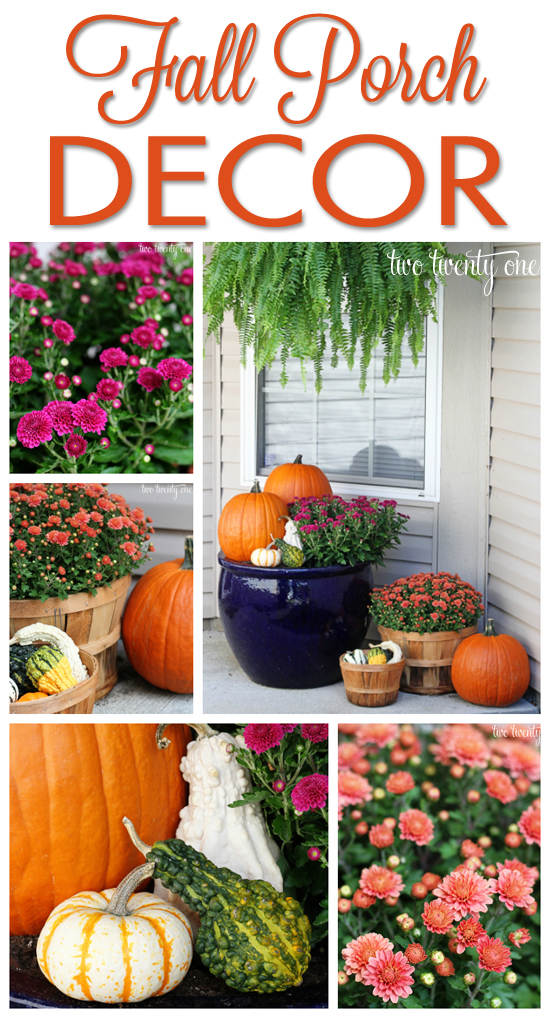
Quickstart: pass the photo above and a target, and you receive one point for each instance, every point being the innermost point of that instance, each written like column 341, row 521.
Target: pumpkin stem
column 203, row 731
column 188, row 557
column 298, row 458
column 119, row 901
column 490, row 628
column 255, row 488
column 162, row 743
column 135, row 838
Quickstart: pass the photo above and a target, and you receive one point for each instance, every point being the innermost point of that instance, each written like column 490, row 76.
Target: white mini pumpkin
column 266, row 557
column 141, row 949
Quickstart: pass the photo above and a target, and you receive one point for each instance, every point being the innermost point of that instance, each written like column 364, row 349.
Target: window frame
column 434, row 376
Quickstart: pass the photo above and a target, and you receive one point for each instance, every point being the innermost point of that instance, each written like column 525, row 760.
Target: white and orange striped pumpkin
column 142, row 949
column 266, row 557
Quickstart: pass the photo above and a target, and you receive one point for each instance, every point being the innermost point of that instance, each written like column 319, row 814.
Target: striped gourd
column 252, row 936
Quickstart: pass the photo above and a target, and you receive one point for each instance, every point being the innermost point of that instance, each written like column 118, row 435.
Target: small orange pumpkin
column 32, row 696
column 297, row 480
column 490, row 669
column 157, row 625
column 250, row 521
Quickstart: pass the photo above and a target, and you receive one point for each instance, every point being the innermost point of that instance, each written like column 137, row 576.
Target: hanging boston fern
column 292, row 298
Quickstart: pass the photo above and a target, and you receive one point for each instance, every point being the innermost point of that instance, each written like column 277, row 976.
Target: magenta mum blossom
column 310, row 792
column 34, row 429
column 76, row 446
column 89, row 416
column 149, row 379
column 260, row 738
column 174, row 367
column 20, row 370
column 147, row 292
column 25, row 291
column 63, row 331
column 113, row 357
column 61, row 413
column 143, row 336
column 108, row 388
column 315, row 733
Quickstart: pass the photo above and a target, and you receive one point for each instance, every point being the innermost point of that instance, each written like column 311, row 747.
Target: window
column 383, row 442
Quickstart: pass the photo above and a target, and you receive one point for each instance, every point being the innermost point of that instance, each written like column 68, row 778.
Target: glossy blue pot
column 288, row 627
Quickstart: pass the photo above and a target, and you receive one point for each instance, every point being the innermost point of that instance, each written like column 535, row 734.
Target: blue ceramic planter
column 288, row 627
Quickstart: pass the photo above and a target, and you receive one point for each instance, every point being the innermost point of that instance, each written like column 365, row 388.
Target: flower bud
column 116, row 404
column 469, row 978
column 437, row 957
column 427, row 978
column 344, row 905
column 415, row 761
column 433, row 794
column 62, row 381
column 392, row 862
column 381, row 767
column 356, row 814
column 426, row 785
column 362, row 827
column 457, row 771
column 314, row 853
column 496, row 1002
column 391, row 900
column 379, row 794
column 346, row 891
column 390, row 822
column 431, row 880
column 362, row 900
column 419, row 890
column 443, row 816
column 484, row 841
column 510, row 978
column 104, row 442
column 76, row 380
column 512, row 839
column 48, row 376
column 513, row 827
column 150, row 450
column 175, row 384
column 407, row 924
column 490, row 871
column 473, row 795
column 343, row 978
column 63, row 362
column 48, row 343
column 399, row 919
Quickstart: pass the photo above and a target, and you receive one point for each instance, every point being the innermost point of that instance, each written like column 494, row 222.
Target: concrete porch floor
column 227, row 690
column 133, row 695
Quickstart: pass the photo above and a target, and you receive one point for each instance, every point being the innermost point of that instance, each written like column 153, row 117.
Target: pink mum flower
column 174, row 367
column 499, row 786
column 494, row 956
column 147, row 292
column 519, row 937
column 381, row 836
column 315, row 733
column 381, row 882
column 144, row 335
column 348, row 755
column 376, row 735
column 25, row 291
column 353, row 789
column 465, row 891
column 529, row 824
column 416, row 826
column 61, row 413
column 262, row 737
column 310, row 792
column 34, row 428
column 358, row 953
column 75, row 446
column 400, row 782
column 20, row 370
column 463, row 743
column 468, row 934
column 150, row 379
column 389, row 975
column 530, row 873
column 63, row 331
column 512, row 888
column 108, row 389
column 89, row 416
column 438, row 916
column 113, row 357
column 520, row 758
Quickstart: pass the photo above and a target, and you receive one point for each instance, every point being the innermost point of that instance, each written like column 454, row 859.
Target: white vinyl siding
column 514, row 505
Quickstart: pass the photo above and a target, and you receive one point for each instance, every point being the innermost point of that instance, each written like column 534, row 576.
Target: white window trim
column 434, row 375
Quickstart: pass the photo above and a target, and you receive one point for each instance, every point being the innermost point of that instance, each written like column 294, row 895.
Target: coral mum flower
column 353, row 789
column 463, row 743
column 358, row 953
column 376, row 735
column 499, row 786
column 529, row 824
column 468, row 934
column 494, row 956
column 446, row 968
column 519, row 937
column 389, row 975
column 465, row 891
column 415, row 953
column 381, row 836
column 530, row 873
column 416, row 826
column 513, row 889
column 381, row 882
column 521, row 759
column 348, row 755
column 399, row 782
column 438, row 916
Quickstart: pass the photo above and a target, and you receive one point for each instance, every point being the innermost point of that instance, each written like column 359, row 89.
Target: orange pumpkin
column 490, row 669
column 157, row 626
column 297, row 480
column 32, row 696
column 250, row 521
column 71, row 785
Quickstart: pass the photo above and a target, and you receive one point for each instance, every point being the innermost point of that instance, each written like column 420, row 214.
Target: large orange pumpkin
column 71, row 785
column 250, row 521
column 297, row 480
column 157, row 626
column 490, row 669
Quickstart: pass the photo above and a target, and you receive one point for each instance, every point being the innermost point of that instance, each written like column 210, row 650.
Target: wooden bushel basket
column 428, row 658
column 371, row 685
column 78, row 699
column 93, row 623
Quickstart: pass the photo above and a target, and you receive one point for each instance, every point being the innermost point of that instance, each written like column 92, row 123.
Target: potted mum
column 288, row 625
column 427, row 615
column 73, row 548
